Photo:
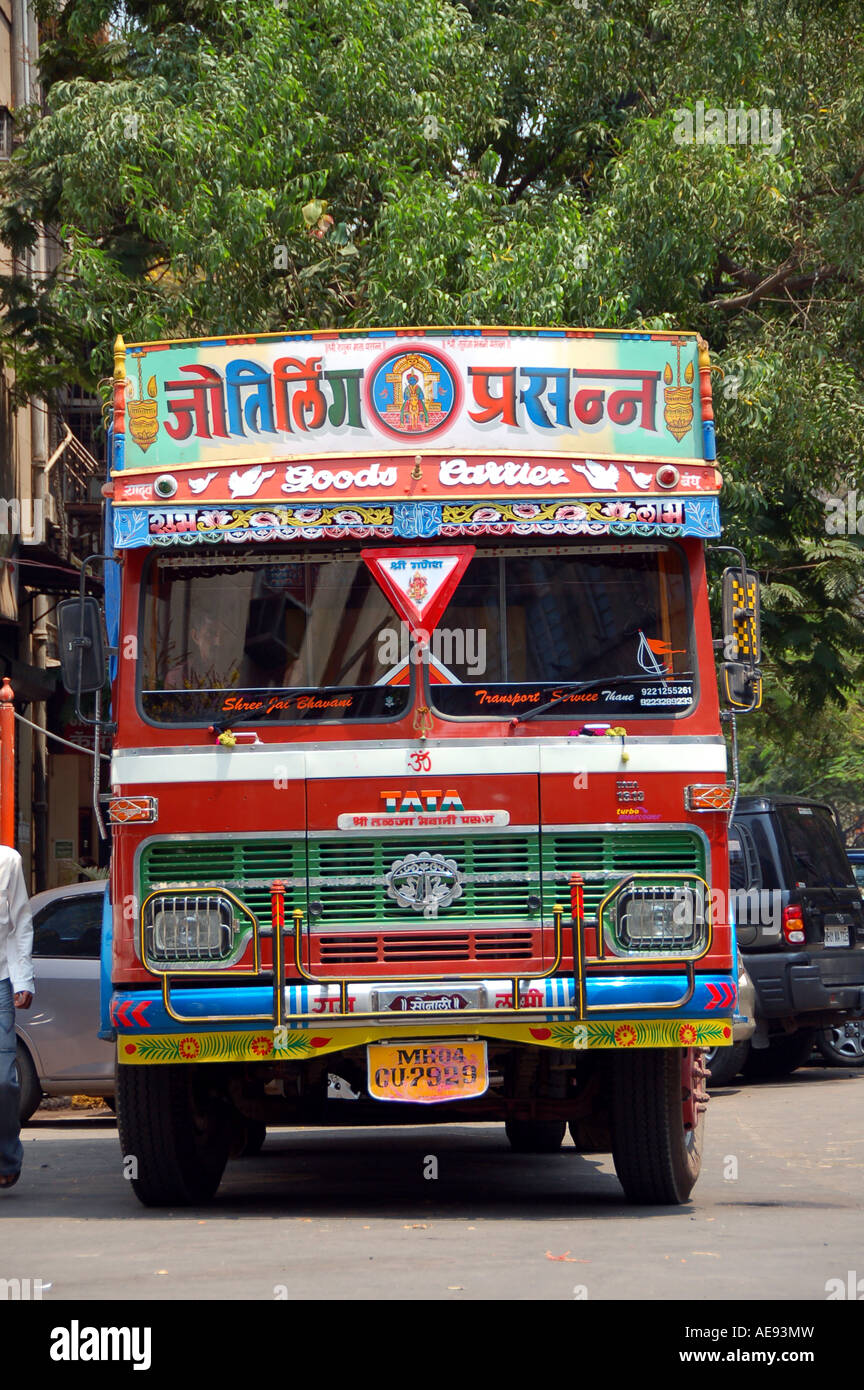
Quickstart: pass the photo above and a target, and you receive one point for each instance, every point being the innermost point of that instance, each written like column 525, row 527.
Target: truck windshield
column 267, row 639
column 313, row 639
column 535, row 622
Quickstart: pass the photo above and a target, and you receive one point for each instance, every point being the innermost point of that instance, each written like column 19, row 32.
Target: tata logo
column 424, row 882
column 431, row 799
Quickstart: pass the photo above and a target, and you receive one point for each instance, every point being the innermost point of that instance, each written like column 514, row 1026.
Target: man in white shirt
column 17, row 987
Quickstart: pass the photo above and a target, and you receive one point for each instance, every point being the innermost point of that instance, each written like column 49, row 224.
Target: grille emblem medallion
column 424, row 882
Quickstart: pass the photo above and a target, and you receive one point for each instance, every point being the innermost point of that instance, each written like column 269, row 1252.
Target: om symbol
column 420, row 762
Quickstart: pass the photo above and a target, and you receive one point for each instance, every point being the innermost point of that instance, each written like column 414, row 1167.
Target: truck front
column 418, row 779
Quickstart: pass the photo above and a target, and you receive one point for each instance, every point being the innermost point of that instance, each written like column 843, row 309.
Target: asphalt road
column 349, row 1214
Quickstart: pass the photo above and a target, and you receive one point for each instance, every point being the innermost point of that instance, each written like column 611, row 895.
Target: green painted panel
column 508, row 870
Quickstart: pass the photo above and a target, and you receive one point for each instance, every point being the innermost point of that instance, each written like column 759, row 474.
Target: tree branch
column 783, row 277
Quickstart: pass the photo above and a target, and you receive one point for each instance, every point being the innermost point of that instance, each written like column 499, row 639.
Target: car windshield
column 267, row 639
column 525, row 625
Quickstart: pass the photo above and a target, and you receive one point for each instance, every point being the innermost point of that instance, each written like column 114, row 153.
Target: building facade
column 50, row 480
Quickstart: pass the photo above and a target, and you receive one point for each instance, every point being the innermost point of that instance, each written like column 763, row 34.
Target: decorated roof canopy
column 413, row 432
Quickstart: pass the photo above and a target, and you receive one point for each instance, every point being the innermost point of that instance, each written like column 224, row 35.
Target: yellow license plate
column 427, row 1071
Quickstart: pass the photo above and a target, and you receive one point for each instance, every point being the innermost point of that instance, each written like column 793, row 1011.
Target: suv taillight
column 793, row 925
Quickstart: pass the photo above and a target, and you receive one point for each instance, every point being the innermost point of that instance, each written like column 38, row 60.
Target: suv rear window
column 818, row 857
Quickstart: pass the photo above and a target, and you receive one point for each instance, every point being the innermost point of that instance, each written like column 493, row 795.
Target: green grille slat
column 495, row 903
column 614, row 853
column 554, row 856
column 227, row 863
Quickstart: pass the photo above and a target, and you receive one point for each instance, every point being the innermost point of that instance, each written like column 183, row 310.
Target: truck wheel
column 247, row 1136
column 31, row 1091
column 177, row 1133
column 781, row 1057
column 658, row 1120
column 725, row 1063
column 535, row 1136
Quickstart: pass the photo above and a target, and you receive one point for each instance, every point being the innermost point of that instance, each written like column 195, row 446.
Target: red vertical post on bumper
column 7, row 765
column 277, row 917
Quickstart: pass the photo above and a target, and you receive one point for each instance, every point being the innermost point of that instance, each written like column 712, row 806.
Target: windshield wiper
column 590, row 685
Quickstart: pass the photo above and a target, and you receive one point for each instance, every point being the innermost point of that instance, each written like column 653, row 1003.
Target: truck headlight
column 657, row 918
column 190, row 930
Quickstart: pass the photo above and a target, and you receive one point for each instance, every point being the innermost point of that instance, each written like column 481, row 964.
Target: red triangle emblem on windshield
column 420, row 581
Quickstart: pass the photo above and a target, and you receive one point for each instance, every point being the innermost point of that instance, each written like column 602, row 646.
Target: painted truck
column 417, row 778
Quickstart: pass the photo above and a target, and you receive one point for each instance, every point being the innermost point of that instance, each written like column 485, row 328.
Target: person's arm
column 19, row 945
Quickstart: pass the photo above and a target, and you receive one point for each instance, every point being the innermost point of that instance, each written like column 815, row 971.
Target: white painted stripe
column 266, row 763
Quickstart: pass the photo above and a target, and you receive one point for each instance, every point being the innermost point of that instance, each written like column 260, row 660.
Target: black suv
column 800, row 923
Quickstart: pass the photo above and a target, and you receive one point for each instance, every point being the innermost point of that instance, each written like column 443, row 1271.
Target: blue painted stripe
column 636, row 992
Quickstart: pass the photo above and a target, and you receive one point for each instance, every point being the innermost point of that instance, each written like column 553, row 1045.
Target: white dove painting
column 600, row 478
column 642, row 480
column 247, row 483
column 197, row 485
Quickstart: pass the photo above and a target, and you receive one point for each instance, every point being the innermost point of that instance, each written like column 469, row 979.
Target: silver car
column 59, row 1053
column 724, row 1063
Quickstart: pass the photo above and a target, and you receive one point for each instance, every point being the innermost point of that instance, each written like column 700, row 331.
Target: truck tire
column 725, row 1063
column 31, row 1091
column 781, row 1057
column 178, row 1135
column 535, row 1136
column 247, row 1136
column 657, row 1158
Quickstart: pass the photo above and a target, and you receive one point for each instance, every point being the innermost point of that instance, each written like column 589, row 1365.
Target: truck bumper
column 201, row 1024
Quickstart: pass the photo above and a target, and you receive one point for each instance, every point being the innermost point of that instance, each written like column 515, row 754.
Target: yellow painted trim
column 285, row 1044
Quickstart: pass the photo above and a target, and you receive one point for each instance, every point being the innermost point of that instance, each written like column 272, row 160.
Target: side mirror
column 742, row 629
column 742, row 686
column 742, row 640
column 82, row 645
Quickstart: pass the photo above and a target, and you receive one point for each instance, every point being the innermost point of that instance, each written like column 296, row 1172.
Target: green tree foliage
column 225, row 167
column 820, row 757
